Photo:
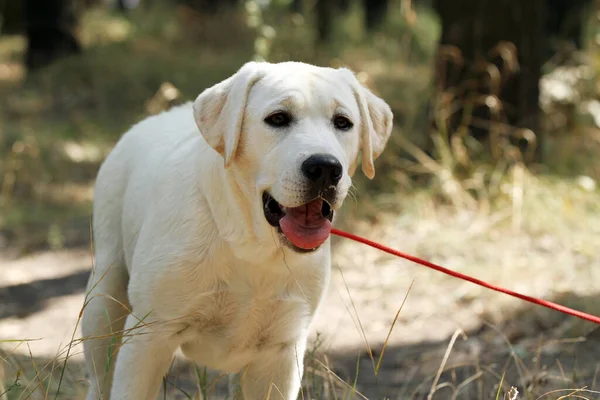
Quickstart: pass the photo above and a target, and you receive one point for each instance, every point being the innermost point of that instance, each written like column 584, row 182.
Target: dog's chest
column 230, row 327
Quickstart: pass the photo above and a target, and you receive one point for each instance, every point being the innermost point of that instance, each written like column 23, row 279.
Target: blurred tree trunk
column 488, row 69
column 126, row 5
column 50, row 30
column 375, row 13
column 211, row 6
column 297, row 6
column 11, row 17
column 564, row 19
column 324, row 11
column 564, row 27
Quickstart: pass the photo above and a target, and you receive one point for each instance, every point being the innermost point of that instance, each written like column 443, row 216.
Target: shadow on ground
column 479, row 361
column 25, row 299
column 534, row 349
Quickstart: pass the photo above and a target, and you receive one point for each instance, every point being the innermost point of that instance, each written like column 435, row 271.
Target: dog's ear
column 219, row 110
column 375, row 125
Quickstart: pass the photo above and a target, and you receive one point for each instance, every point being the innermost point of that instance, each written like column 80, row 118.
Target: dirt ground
column 538, row 350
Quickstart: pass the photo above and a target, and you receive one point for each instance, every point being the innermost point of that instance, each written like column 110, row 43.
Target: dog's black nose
column 323, row 169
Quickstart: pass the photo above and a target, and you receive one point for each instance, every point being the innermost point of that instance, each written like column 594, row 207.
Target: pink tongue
column 305, row 226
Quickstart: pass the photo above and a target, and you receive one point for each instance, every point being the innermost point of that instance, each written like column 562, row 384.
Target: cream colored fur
column 184, row 257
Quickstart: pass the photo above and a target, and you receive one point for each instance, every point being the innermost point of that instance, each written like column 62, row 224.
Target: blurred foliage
column 57, row 124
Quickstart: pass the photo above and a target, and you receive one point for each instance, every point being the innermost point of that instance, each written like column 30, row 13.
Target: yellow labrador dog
column 211, row 228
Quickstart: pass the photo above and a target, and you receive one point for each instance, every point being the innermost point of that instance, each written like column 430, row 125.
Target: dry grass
column 535, row 230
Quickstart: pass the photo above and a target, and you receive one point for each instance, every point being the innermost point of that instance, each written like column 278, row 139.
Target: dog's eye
column 342, row 123
column 279, row 119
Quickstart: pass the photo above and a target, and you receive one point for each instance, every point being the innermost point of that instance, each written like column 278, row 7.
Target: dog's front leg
column 276, row 375
column 143, row 359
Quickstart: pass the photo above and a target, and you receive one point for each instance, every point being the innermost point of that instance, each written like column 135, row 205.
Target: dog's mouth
column 306, row 227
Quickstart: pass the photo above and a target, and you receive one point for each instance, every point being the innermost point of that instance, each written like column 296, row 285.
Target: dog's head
column 290, row 134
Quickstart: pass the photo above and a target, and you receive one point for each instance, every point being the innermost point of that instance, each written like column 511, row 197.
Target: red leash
column 544, row 303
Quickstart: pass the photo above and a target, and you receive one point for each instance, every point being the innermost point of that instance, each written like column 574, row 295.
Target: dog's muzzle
column 306, row 227
column 324, row 172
